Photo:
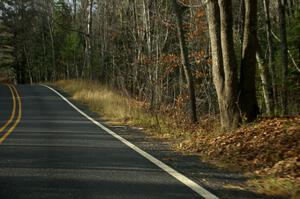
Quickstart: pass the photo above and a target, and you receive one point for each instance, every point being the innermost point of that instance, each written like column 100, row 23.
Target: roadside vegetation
column 267, row 150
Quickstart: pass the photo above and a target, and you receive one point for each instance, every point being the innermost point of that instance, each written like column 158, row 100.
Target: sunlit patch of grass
column 276, row 186
column 119, row 108
column 108, row 103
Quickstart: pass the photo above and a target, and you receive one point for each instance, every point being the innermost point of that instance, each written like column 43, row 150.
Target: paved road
column 55, row 152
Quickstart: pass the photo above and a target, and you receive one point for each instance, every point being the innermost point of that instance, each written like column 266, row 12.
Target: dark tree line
column 239, row 58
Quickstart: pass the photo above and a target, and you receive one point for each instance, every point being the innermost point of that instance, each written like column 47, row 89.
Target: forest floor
column 267, row 151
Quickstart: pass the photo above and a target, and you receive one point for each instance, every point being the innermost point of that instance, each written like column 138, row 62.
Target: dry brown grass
column 104, row 101
column 115, row 107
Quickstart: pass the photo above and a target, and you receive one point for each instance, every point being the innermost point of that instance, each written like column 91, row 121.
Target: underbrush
column 269, row 148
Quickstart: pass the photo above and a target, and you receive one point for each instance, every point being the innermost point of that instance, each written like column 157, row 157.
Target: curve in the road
column 180, row 177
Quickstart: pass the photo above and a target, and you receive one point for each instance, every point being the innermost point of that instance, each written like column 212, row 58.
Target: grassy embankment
column 269, row 148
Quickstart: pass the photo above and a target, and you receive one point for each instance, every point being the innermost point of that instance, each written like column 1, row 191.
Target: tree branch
column 289, row 52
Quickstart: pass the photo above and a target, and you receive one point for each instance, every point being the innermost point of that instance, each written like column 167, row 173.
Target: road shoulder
column 221, row 182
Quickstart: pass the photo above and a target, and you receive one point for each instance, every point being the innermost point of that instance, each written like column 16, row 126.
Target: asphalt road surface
column 50, row 150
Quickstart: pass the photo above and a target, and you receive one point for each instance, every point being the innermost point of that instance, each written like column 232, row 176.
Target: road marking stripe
column 13, row 111
column 2, row 139
column 188, row 182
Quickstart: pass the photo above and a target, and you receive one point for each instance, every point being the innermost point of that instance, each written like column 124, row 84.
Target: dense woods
column 238, row 58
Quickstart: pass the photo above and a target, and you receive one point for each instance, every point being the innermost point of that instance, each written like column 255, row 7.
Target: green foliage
column 71, row 45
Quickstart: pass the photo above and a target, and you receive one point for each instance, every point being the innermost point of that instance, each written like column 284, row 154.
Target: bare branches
column 289, row 52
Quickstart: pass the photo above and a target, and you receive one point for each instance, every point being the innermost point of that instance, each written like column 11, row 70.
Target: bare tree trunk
column 75, row 11
column 241, row 23
column 265, row 80
column 45, row 65
column 146, row 20
column 213, row 16
column 230, row 100
column 284, row 55
column 68, row 71
column 88, row 40
column 247, row 98
column 223, row 61
column 272, row 87
column 185, row 59
column 54, row 74
column 146, row 28
column 74, row 26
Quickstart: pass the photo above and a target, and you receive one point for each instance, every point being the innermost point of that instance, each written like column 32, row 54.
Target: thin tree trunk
column 185, row 59
column 88, row 48
column 45, row 65
column 75, row 11
column 74, row 49
column 241, row 23
column 289, row 53
column 272, row 87
column 284, row 56
column 54, row 74
column 265, row 80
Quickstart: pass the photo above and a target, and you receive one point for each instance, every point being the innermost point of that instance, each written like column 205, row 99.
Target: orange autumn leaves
column 269, row 146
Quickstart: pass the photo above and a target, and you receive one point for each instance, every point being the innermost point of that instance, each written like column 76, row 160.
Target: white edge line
column 183, row 179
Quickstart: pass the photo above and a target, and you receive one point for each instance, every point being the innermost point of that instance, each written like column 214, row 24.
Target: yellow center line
column 13, row 111
column 2, row 139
